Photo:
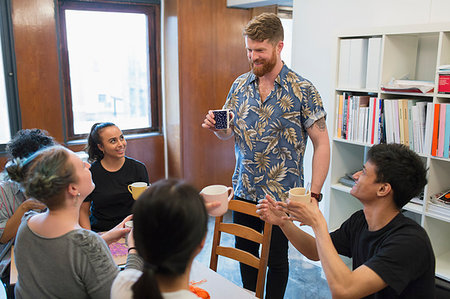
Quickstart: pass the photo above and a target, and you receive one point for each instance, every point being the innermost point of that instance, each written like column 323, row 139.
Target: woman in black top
column 112, row 172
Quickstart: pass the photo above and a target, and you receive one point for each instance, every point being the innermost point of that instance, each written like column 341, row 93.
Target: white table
column 215, row 284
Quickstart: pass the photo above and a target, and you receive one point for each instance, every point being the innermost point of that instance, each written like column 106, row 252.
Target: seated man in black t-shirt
column 392, row 254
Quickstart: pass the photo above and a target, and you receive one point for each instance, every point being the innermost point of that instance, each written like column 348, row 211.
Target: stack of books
column 439, row 204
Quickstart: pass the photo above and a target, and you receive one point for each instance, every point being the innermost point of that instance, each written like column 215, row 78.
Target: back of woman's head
column 94, row 139
column 45, row 175
column 169, row 224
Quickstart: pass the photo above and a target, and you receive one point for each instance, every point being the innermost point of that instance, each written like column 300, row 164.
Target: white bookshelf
column 416, row 53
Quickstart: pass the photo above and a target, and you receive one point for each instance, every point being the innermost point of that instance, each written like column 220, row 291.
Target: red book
column 434, row 142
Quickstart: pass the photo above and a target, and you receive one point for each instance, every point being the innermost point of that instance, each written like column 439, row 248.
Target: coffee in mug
column 300, row 194
column 137, row 188
column 218, row 193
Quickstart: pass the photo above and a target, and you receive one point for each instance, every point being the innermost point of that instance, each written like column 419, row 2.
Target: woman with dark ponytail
column 112, row 172
column 55, row 257
column 170, row 223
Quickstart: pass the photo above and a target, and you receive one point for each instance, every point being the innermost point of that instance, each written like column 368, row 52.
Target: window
column 9, row 107
column 111, row 65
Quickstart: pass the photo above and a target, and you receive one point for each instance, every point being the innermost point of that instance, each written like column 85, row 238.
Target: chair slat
column 241, row 231
column 239, row 255
column 243, row 207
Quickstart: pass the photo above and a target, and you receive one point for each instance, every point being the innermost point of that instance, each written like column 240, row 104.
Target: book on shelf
column 422, row 108
column 440, row 203
column 353, row 62
column 344, row 62
column 434, row 141
column 447, row 133
column 341, row 107
column 346, row 181
column 428, row 128
column 417, row 200
column 441, row 132
column 358, row 62
column 373, row 62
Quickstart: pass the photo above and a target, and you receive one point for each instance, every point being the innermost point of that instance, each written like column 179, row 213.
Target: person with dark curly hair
column 13, row 201
column 55, row 256
column 391, row 254
column 112, row 172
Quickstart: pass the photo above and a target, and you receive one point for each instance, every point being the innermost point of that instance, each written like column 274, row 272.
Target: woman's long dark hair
column 170, row 222
column 95, row 154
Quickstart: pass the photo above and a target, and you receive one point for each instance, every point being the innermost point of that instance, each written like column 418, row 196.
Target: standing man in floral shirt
column 274, row 111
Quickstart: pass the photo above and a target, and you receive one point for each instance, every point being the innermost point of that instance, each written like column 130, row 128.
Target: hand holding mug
column 217, row 193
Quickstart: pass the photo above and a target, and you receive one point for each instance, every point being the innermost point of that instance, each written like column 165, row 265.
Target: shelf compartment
column 438, row 233
column 437, row 177
column 411, row 56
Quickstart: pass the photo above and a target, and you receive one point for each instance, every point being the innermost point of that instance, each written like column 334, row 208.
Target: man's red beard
column 266, row 67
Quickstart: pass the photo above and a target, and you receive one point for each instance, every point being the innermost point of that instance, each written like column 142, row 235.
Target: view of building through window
column 5, row 133
column 109, row 69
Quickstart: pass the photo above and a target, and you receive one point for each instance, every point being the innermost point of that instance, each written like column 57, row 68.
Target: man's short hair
column 266, row 26
column 401, row 167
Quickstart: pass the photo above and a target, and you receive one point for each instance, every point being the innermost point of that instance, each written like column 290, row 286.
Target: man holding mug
column 274, row 110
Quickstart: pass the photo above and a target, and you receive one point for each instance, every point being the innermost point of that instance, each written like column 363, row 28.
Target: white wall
column 318, row 22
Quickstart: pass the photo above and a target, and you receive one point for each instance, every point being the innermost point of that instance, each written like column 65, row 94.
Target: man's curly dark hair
column 28, row 141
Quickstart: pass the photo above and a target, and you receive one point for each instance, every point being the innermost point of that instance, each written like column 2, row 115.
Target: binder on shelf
column 429, row 121
column 401, row 121
column 434, row 141
column 395, row 116
column 344, row 62
column 414, row 142
column 447, row 132
column 441, row 133
column 388, row 121
column 421, row 107
column 339, row 124
column 373, row 63
column 358, row 63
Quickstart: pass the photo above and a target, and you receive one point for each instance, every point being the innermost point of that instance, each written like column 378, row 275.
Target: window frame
column 152, row 10
column 7, row 47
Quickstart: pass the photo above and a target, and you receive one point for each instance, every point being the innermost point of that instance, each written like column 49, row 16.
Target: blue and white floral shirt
column 270, row 137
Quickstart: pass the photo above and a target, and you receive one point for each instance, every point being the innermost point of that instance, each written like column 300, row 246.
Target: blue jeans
column 278, row 264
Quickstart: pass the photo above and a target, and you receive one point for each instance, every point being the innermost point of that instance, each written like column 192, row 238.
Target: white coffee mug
column 300, row 194
column 218, row 193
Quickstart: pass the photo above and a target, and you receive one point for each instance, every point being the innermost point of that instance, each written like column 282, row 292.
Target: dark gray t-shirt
column 78, row 264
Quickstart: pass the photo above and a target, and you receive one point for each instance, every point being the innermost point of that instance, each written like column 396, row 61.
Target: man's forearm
column 336, row 271
column 320, row 165
column 302, row 241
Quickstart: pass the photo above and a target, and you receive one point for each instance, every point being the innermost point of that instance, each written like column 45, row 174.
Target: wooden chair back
column 247, row 233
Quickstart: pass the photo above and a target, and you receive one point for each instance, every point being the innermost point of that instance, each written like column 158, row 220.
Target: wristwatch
column 317, row 196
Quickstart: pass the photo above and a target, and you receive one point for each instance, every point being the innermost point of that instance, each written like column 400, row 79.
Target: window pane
column 5, row 133
column 109, row 69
